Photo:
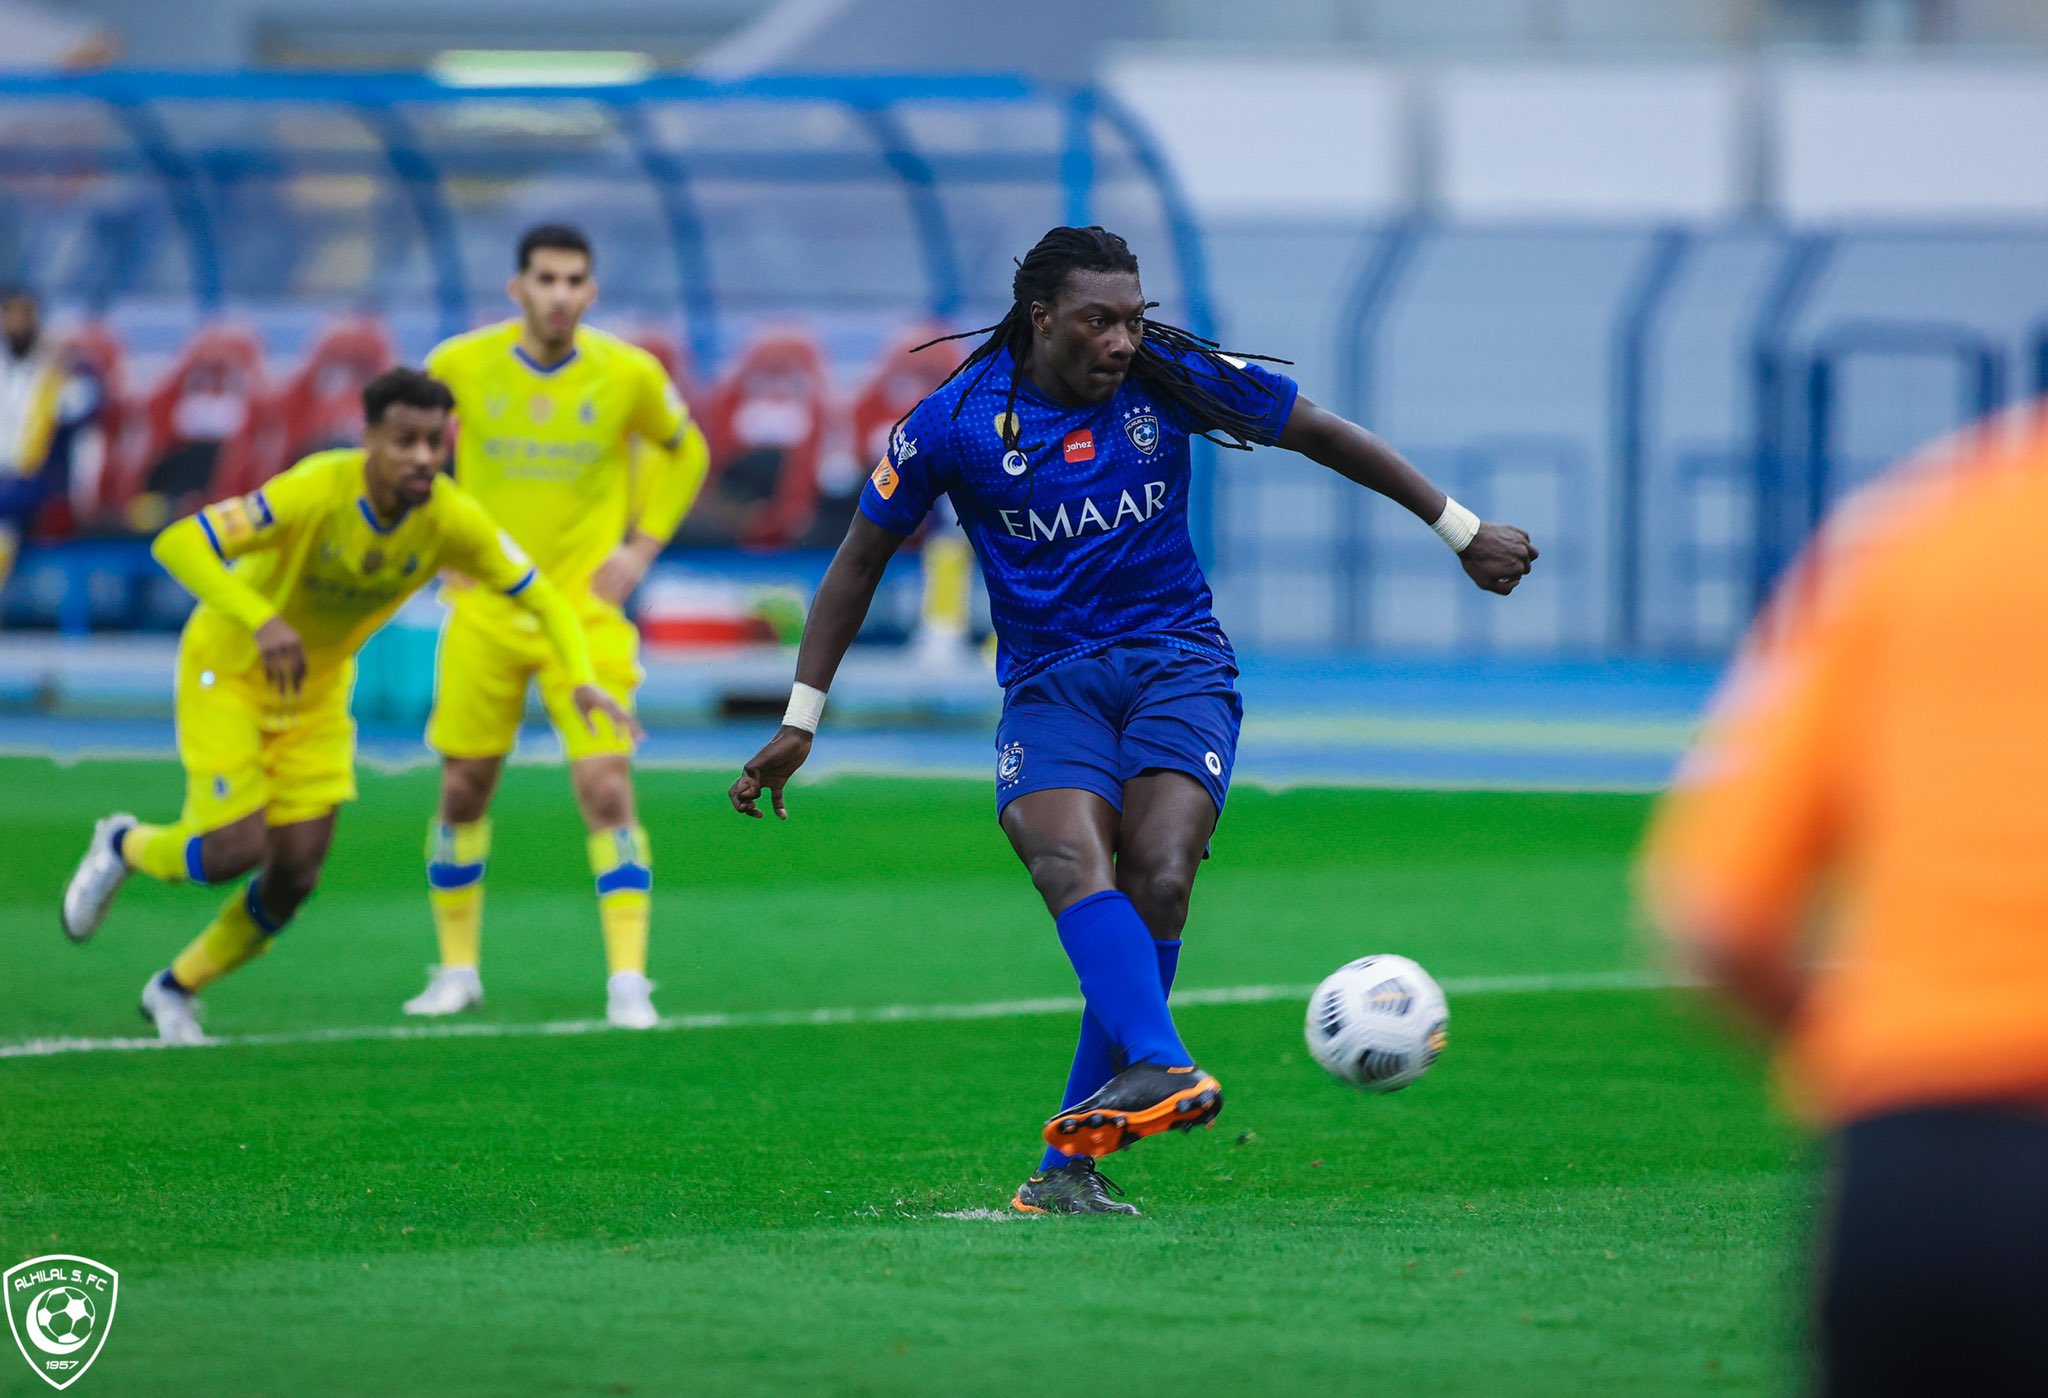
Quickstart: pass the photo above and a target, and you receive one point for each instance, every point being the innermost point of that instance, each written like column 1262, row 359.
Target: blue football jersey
column 1082, row 529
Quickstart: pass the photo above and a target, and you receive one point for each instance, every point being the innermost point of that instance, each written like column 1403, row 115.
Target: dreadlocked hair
column 1181, row 368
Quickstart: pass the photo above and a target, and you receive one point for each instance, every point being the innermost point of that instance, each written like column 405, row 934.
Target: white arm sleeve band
column 806, row 707
column 1456, row 526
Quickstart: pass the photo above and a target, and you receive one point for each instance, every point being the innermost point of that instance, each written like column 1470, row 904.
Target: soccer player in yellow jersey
column 577, row 443
column 321, row 557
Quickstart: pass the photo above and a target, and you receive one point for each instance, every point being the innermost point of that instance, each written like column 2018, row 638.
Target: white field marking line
column 825, row 770
column 785, row 1019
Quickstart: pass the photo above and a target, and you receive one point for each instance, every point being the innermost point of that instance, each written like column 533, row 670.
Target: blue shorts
column 1093, row 724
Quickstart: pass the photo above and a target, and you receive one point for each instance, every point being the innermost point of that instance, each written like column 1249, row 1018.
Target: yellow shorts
column 242, row 755
column 488, row 657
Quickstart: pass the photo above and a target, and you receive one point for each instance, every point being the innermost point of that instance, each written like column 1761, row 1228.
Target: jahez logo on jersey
column 1078, row 446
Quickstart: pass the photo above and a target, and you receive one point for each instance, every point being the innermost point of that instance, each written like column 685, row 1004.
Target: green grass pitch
column 1589, row 1193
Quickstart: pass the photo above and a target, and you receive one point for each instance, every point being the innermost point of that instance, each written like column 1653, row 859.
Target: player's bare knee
column 608, row 806
column 1160, row 892
column 1063, row 874
column 466, row 789
column 232, row 850
column 463, row 801
column 287, row 884
column 1164, row 908
column 604, row 791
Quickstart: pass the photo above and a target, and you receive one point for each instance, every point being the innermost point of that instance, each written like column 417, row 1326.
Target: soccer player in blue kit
column 1062, row 442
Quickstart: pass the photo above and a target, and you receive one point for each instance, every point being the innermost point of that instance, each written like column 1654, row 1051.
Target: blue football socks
column 1168, row 954
column 1096, row 1056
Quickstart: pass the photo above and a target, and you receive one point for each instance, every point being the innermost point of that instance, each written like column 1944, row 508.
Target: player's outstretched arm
column 835, row 619
column 191, row 555
column 1496, row 556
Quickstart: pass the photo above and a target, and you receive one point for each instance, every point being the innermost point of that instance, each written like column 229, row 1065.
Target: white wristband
column 1456, row 526
column 806, row 707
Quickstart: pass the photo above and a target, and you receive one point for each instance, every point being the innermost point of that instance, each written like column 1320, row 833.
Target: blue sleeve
column 900, row 491
column 1252, row 389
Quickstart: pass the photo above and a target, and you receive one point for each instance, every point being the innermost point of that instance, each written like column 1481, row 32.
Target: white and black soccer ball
column 65, row 1314
column 1378, row 1022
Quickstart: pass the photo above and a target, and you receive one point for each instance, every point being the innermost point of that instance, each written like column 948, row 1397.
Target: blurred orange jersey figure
column 1864, row 812
column 1854, row 853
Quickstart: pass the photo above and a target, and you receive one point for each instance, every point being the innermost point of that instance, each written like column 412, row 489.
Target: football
column 65, row 1314
column 1378, row 1022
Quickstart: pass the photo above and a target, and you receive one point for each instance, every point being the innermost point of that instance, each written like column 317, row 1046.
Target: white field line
column 755, row 1019
column 1248, row 778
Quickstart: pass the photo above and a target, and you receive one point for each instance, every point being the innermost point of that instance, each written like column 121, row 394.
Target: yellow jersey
column 548, row 450
column 308, row 547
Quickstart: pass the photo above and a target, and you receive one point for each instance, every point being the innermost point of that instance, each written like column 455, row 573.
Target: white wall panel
column 1281, row 138
column 1916, row 142
column 1588, row 142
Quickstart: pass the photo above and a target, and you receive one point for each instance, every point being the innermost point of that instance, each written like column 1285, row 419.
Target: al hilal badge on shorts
column 60, row 1309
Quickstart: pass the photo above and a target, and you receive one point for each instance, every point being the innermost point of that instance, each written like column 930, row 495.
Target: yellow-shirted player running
column 550, row 415
column 322, row 555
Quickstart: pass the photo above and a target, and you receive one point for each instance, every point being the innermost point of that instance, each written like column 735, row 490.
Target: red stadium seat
column 322, row 406
column 896, row 384
column 766, row 421
column 121, row 425
column 211, row 428
column 673, row 357
column 898, row 381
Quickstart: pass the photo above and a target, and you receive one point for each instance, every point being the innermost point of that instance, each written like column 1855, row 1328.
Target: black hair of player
column 562, row 237
column 409, row 387
column 1179, row 367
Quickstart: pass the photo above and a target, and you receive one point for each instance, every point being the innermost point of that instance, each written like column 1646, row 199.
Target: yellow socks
column 456, row 855
column 625, row 877
column 238, row 935
column 167, row 853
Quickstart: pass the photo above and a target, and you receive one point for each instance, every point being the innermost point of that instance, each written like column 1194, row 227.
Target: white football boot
column 174, row 1013
column 450, row 990
column 97, row 879
column 628, row 1001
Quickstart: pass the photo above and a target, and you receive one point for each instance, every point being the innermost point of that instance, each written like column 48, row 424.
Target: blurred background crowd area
column 1657, row 279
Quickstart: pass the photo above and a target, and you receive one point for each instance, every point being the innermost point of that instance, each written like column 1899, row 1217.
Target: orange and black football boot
column 1143, row 1100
